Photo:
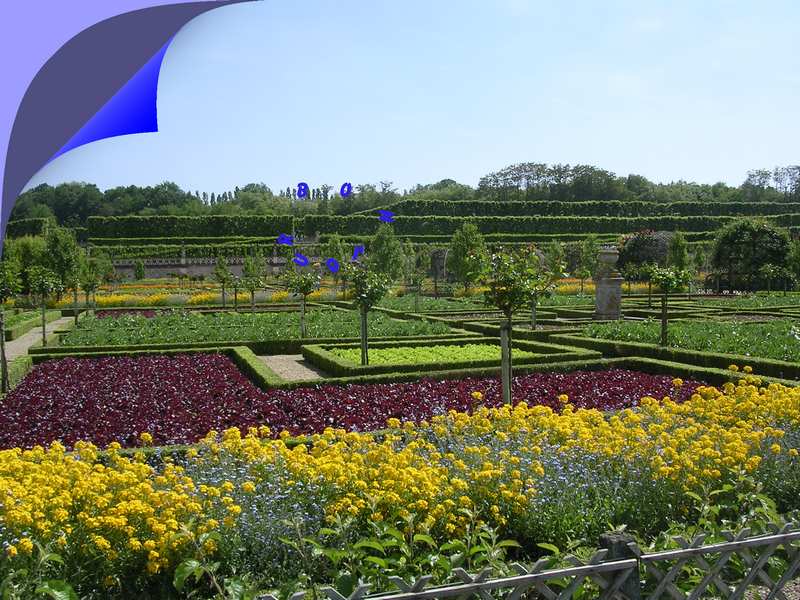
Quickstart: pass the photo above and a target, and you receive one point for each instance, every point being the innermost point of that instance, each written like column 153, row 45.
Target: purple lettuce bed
column 178, row 399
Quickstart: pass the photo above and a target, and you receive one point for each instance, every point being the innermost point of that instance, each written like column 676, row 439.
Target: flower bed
column 115, row 314
column 779, row 340
column 190, row 327
column 422, row 498
column 421, row 355
column 179, row 398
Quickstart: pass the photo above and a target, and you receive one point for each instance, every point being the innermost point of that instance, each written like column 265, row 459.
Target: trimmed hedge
column 445, row 225
column 319, row 355
column 203, row 226
column 259, row 347
column 611, row 208
column 23, row 227
column 18, row 368
column 761, row 366
column 25, row 326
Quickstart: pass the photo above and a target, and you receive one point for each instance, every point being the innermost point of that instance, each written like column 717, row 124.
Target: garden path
column 19, row 347
column 292, row 367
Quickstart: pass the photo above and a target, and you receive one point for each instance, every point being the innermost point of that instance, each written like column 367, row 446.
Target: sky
column 328, row 91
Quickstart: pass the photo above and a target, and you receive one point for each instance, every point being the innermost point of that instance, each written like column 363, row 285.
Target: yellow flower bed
column 121, row 516
column 111, row 517
column 203, row 298
column 117, row 300
column 279, row 296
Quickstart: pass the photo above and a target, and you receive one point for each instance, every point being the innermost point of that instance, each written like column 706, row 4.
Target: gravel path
column 19, row 347
column 292, row 367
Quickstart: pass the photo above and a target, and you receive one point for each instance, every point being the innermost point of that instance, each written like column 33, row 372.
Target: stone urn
column 608, row 285
column 607, row 259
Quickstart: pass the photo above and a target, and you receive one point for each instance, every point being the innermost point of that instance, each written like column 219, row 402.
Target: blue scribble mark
column 333, row 265
column 302, row 189
column 346, row 189
column 386, row 216
column 285, row 239
column 300, row 260
column 357, row 251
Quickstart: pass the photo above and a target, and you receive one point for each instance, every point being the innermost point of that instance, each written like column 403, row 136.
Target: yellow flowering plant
column 528, row 473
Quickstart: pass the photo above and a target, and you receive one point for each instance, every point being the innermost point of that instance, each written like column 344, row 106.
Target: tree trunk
column 416, row 300
column 223, row 296
column 252, row 301
column 75, row 304
column 364, row 348
column 534, row 302
column 581, row 287
column 3, row 362
column 86, row 300
column 236, row 299
column 303, row 318
column 664, row 319
column 649, row 294
column 44, row 323
column 505, row 359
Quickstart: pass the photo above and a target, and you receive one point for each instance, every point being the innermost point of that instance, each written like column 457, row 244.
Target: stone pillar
column 608, row 286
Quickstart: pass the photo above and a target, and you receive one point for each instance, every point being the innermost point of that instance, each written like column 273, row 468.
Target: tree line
column 71, row 204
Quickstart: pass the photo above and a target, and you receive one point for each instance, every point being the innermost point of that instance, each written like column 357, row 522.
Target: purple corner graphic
column 100, row 94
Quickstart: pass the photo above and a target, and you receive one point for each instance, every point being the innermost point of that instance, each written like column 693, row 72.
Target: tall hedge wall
column 441, row 225
column 479, row 208
column 22, row 227
column 176, row 227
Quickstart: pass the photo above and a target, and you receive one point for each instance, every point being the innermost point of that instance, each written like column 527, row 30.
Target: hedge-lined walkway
column 19, row 347
column 292, row 367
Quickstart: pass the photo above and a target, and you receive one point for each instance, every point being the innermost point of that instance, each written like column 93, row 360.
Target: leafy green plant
column 172, row 327
column 430, row 354
column 770, row 339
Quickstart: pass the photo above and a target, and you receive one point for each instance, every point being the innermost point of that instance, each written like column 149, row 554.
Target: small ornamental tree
column 44, row 283
column 467, row 257
column 670, row 280
column 222, row 275
column 334, row 248
column 10, row 285
column 89, row 278
column 236, row 283
column 645, row 272
column 73, row 282
column 555, row 257
column 421, row 266
column 368, row 289
column 543, row 276
column 63, row 254
column 630, row 273
column 138, row 270
column 770, row 273
column 302, row 283
column 587, row 259
column 386, row 253
column 252, row 277
column 510, row 287
column 678, row 252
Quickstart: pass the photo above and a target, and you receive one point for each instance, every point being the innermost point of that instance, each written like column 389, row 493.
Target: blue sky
column 415, row 91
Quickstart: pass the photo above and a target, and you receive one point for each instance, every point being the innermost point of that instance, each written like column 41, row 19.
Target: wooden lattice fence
column 744, row 566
